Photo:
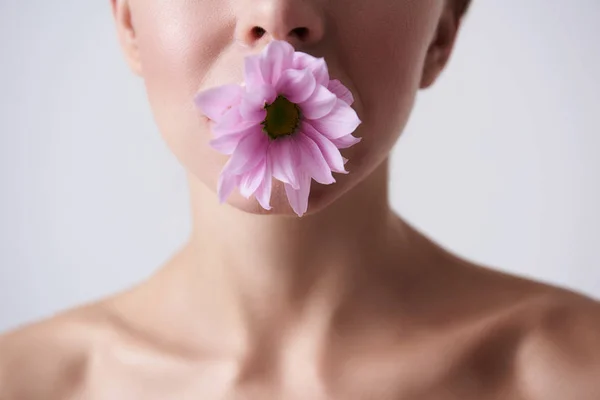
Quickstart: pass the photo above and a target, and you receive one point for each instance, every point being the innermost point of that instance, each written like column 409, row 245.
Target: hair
column 461, row 6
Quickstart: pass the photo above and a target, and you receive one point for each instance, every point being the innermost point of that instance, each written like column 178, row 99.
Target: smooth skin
column 349, row 302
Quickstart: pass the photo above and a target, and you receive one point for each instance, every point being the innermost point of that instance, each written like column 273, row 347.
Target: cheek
column 381, row 51
column 376, row 49
column 178, row 59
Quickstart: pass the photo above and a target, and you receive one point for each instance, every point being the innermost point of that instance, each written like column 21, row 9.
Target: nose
column 298, row 22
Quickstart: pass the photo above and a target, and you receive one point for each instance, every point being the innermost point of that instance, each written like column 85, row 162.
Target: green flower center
column 283, row 118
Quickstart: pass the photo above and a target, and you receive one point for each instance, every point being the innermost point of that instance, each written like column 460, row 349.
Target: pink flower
column 288, row 122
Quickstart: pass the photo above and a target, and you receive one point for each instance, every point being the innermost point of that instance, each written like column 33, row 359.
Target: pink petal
column 251, row 150
column 263, row 193
column 296, row 86
column 317, row 66
column 330, row 152
column 252, row 179
column 341, row 91
column 252, row 113
column 276, row 58
column 313, row 161
column 285, row 160
column 298, row 199
column 345, row 141
column 302, row 60
column 226, row 144
column 320, row 71
column 319, row 104
column 341, row 121
column 231, row 123
column 214, row 102
column 225, row 186
column 252, row 107
column 252, row 72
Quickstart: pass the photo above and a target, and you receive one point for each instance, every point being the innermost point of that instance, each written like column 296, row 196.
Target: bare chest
column 435, row 371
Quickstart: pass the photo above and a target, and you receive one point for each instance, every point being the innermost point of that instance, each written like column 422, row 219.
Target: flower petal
column 345, row 141
column 252, row 72
column 263, row 193
column 320, row 71
column 317, row 66
column 319, row 104
column 341, row 91
column 226, row 184
column 285, row 161
column 252, row 113
column 252, row 107
column 232, row 122
column 330, row 152
column 302, row 60
column 313, row 161
column 296, row 86
column 341, row 121
column 214, row 102
column 226, row 144
column 276, row 58
column 298, row 199
column 252, row 179
column 251, row 150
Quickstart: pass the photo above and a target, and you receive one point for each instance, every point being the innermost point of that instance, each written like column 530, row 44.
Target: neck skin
column 254, row 279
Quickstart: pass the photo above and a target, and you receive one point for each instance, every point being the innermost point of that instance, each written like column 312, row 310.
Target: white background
column 499, row 162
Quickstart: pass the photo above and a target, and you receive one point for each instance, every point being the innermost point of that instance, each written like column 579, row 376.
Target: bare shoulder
column 560, row 356
column 550, row 333
column 48, row 359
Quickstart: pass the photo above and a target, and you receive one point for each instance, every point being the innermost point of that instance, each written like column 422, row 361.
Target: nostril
column 257, row 32
column 300, row 33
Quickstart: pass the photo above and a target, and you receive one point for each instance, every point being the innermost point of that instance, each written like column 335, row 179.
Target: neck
column 254, row 272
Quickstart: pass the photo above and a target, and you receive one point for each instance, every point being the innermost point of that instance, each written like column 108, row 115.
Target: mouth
column 207, row 120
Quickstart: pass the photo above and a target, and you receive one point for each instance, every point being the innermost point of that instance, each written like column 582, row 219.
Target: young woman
column 348, row 301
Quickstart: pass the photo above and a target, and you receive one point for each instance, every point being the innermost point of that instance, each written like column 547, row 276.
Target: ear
column 441, row 46
column 121, row 10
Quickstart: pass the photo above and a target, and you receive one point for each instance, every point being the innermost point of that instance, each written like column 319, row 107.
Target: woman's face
column 378, row 48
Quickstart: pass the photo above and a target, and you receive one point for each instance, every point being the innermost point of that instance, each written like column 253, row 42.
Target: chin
column 321, row 197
